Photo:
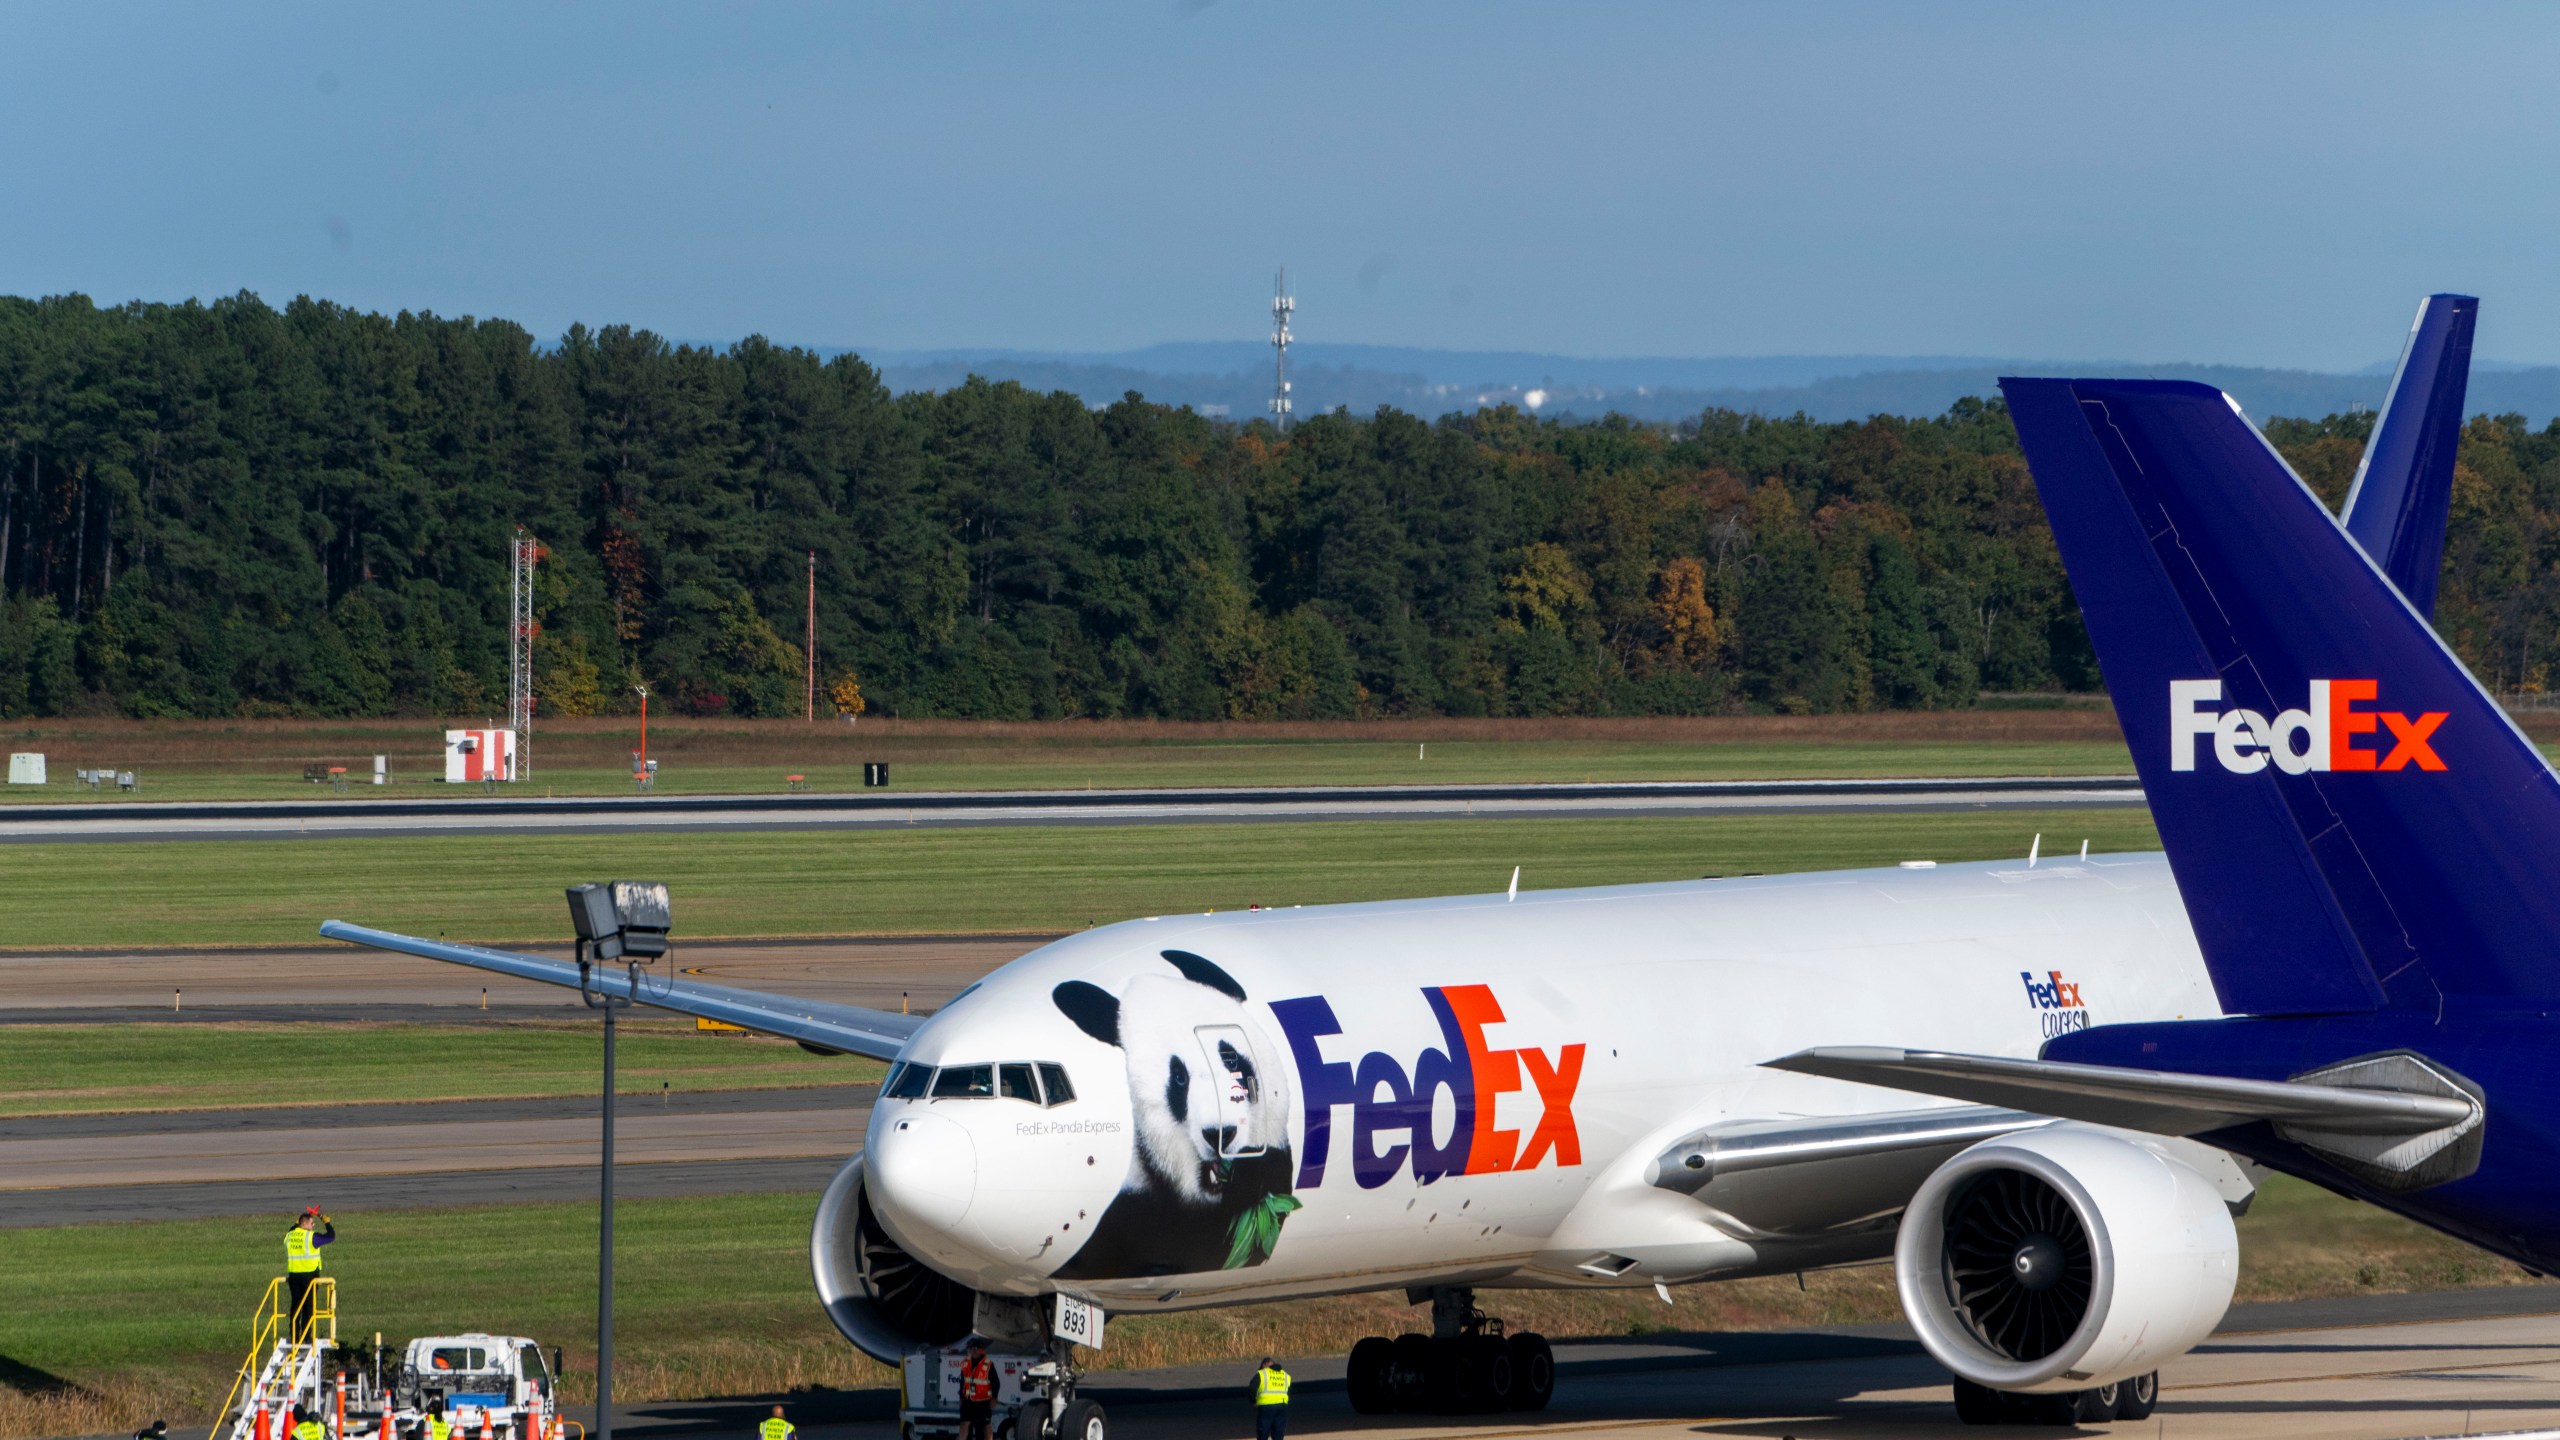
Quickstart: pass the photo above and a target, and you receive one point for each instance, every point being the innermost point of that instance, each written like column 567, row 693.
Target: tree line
column 228, row 509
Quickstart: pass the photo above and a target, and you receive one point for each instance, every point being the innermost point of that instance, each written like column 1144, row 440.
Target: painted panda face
column 1195, row 1073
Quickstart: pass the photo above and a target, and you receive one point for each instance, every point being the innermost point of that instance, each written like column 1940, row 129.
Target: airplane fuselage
column 1474, row 1090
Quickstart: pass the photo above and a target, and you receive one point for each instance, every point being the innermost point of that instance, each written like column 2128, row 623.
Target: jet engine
column 2065, row 1258
column 883, row 1299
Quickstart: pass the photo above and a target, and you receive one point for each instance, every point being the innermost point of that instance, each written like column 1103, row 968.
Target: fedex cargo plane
column 1572, row 1089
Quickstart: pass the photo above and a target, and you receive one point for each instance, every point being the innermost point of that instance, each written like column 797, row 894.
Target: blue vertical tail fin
column 2354, row 823
column 2404, row 484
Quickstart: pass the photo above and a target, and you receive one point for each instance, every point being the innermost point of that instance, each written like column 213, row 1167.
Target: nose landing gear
column 1467, row 1365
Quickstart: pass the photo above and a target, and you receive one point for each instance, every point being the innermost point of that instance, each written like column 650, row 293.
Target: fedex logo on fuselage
column 2321, row 736
column 1392, row 1107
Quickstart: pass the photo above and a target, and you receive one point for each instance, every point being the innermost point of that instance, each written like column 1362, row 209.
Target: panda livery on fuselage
column 1210, row 1171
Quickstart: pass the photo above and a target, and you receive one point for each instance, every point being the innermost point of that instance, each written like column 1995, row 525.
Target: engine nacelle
column 883, row 1299
column 2064, row 1258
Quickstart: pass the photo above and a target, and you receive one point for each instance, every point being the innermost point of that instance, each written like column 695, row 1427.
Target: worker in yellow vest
column 434, row 1425
column 302, row 1243
column 309, row 1429
column 1270, row 1401
column 775, row 1428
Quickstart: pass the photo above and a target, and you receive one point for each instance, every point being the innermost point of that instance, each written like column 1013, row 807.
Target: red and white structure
column 475, row 755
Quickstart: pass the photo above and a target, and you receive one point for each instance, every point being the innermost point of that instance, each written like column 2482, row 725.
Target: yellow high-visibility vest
column 437, row 1429
column 1271, row 1387
column 307, row 1430
column 775, row 1428
column 301, row 1257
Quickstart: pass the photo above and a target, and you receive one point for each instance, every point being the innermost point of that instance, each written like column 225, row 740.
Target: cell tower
column 520, row 631
column 1282, row 306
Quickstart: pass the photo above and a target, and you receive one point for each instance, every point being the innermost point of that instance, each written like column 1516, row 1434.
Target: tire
column 2061, row 1409
column 2096, row 1406
column 1081, row 1421
column 1493, row 1362
column 1368, row 1376
column 1456, row 1378
column 1533, row 1371
column 1409, row 1371
column 1980, row 1404
column 2136, row 1397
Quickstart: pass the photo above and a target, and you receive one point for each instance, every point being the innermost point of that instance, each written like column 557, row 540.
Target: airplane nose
column 923, row 1172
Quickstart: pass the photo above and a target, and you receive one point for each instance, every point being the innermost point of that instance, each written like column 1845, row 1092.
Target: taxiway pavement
column 358, row 816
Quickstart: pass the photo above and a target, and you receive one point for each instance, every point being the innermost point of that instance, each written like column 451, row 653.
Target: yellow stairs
column 285, row 1364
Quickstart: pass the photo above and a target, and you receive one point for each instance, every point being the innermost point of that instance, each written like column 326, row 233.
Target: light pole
column 625, row 920
column 640, row 770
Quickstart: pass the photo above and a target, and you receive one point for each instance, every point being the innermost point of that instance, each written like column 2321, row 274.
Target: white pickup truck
column 475, row 1378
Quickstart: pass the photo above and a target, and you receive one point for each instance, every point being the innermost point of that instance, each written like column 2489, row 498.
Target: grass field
column 109, row 1326
column 937, row 881
column 205, row 760
column 75, row 1069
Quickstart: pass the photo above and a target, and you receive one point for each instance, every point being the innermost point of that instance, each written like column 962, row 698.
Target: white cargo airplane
column 1564, row 1089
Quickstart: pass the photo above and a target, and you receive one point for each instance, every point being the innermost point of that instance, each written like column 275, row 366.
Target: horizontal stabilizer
column 2423, row 1127
column 847, row 1028
column 2148, row 1100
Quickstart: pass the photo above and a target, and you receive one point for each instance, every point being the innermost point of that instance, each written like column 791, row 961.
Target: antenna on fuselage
column 2034, row 848
column 1514, row 892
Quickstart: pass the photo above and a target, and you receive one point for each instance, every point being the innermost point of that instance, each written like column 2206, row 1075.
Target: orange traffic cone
column 260, row 1430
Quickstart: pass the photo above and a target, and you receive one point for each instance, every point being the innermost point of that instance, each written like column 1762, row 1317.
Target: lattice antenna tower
column 1282, row 307
column 520, row 632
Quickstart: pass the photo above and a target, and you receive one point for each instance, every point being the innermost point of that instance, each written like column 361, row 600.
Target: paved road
column 113, row 820
column 354, row 1195
column 2361, row 1369
column 346, row 982
column 191, row 1164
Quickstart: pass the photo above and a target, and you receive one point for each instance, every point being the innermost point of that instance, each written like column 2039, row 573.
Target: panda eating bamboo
column 1209, row 1170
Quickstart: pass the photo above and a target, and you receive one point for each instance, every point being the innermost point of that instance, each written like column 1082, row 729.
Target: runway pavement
column 355, row 816
column 322, row 982
column 2366, row 1368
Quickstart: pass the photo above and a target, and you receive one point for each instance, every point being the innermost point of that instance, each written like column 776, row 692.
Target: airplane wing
column 2161, row 1102
column 848, row 1029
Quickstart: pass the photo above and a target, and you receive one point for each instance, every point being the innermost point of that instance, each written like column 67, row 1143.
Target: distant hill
column 1233, row 378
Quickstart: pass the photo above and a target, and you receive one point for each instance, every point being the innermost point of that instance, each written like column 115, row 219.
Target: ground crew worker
column 309, row 1430
column 776, row 1428
column 977, row 1393
column 434, row 1427
column 1270, row 1401
column 302, row 1262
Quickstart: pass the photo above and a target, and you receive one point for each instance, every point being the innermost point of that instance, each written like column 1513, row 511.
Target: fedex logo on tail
column 1392, row 1107
column 2330, row 732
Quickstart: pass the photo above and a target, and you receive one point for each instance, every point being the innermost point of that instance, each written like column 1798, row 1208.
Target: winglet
column 2403, row 486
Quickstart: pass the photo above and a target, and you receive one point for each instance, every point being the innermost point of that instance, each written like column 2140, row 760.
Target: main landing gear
column 2125, row 1400
column 1465, row 1366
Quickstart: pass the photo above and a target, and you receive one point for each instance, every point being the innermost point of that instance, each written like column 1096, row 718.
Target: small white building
column 476, row 755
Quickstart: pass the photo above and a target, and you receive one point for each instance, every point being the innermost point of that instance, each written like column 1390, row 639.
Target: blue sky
column 2264, row 184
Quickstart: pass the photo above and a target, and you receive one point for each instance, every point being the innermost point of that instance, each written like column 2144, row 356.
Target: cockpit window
column 1015, row 1082
column 964, row 1082
column 912, row 1082
column 1053, row 1078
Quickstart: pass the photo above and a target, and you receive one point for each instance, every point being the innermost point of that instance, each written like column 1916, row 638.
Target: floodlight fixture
column 621, row 919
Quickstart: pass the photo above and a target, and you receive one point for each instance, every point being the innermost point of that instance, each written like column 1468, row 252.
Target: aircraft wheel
column 1458, row 1384
column 2136, row 1397
column 1980, row 1404
column 1533, row 1372
column 1493, row 1362
column 1409, row 1370
column 1082, row 1421
column 1370, row 1376
column 2095, row 1406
